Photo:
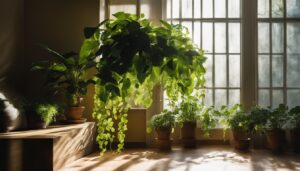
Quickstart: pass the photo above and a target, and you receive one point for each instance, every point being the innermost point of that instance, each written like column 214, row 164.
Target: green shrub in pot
column 163, row 124
column 294, row 124
column 274, row 128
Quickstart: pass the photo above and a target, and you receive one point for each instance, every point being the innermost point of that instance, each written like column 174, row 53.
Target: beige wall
column 58, row 24
column 12, row 43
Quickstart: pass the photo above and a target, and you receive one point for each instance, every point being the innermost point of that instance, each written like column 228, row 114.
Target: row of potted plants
column 271, row 122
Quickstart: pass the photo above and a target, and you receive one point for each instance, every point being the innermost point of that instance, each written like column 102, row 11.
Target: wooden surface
column 47, row 149
column 205, row 158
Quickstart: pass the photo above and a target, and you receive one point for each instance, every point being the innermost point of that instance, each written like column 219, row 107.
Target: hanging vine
column 134, row 57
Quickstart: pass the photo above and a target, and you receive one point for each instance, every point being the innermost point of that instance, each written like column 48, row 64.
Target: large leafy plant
column 258, row 118
column 134, row 57
column 277, row 118
column 67, row 73
column 166, row 119
column 188, row 110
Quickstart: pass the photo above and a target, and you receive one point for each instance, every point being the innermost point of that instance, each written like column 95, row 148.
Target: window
column 214, row 26
column 278, row 52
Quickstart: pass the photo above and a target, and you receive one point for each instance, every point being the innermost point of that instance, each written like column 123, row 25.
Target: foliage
column 294, row 117
column 188, row 110
column 67, row 73
column 240, row 121
column 227, row 114
column 259, row 117
column 46, row 111
column 277, row 118
column 134, row 57
column 166, row 119
column 208, row 119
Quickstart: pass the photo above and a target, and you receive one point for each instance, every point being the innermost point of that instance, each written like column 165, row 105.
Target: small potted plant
column 238, row 121
column 163, row 124
column 67, row 73
column 40, row 115
column 294, row 122
column 187, row 114
column 274, row 128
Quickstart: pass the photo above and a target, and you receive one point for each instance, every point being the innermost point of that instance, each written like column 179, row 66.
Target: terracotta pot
column 241, row 140
column 188, row 134
column 163, row 138
column 163, row 133
column 295, row 140
column 275, row 139
column 74, row 113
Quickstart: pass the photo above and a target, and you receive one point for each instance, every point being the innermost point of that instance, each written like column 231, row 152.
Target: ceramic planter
column 241, row 140
column 295, row 139
column 188, row 134
column 163, row 138
column 275, row 139
column 74, row 113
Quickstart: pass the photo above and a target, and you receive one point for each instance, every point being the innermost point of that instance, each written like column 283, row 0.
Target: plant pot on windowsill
column 188, row 134
column 275, row 139
column 75, row 111
column 241, row 140
column 295, row 139
column 163, row 138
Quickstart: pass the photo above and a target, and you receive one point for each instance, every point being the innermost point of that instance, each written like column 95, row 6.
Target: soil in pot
column 163, row 138
column 241, row 140
column 295, row 140
column 74, row 113
column 188, row 134
column 275, row 140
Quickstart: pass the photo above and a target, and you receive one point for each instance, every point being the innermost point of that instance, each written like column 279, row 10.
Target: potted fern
column 40, row 115
column 67, row 73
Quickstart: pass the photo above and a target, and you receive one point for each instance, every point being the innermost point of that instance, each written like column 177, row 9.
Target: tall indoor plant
column 134, row 57
column 67, row 73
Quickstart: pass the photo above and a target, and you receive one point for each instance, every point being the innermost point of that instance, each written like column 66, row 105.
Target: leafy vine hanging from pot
column 134, row 57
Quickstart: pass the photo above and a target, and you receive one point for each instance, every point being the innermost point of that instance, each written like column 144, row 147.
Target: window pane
column 187, row 8
column 234, row 97
column 263, row 8
column 207, row 35
column 208, row 97
column 293, row 38
column 277, row 37
column 263, row 71
column 220, row 8
column 220, row 98
column 208, row 64
column 220, row 71
column 234, row 37
column 277, row 8
column 175, row 8
column 189, row 26
column 277, row 98
column 234, row 71
column 293, row 97
column 293, row 70
column 168, row 10
column 293, row 8
column 207, row 8
column 264, row 98
column 220, row 37
column 277, row 71
column 175, row 22
column 233, row 8
column 197, row 33
column 197, row 8
column 128, row 6
column 263, row 38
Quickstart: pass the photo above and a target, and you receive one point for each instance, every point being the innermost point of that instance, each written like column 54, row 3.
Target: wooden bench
column 46, row 150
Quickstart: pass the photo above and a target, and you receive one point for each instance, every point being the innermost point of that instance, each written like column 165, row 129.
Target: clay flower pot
column 275, row 139
column 295, row 139
column 188, row 134
column 241, row 140
column 163, row 138
column 74, row 113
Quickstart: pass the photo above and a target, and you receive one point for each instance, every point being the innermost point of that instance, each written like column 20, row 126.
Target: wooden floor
column 207, row 158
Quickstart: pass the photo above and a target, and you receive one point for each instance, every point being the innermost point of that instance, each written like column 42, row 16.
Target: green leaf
column 88, row 47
